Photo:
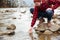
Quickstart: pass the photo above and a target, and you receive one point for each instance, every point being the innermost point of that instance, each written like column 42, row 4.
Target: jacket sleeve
column 55, row 3
column 35, row 14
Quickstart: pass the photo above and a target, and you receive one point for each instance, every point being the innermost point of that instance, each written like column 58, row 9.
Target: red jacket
column 43, row 7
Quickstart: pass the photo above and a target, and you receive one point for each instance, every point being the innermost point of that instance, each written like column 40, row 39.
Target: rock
column 58, row 30
column 54, row 16
column 43, row 28
column 40, row 30
column 59, row 24
column 1, row 33
column 55, row 20
column 23, row 12
column 14, row 18
column 54, row 27
column 11, row 27
column 47, row 32
column 9, row 11
column 10, row 32
column 58, row 16
column 2, row 25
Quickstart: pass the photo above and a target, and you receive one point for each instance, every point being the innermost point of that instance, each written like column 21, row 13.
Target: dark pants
column 46, row 14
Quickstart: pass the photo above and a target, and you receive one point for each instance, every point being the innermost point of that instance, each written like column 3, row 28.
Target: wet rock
column 40, row 30
column 10, row 11
column 2, row 24
column 58, row 30
column 47, row 32
column 55, row 20
column 10, row 32
column 54, row 27
column 11, row 27
column 23, row 12
column 7, row 32
column 7, row 11
column 4, row 31
column 43, row 28
column 54, row 16
column 58, row 14
column 35, row 38
column 1, row 33
column 58, row 17
column 59, row 24
column 14, row 18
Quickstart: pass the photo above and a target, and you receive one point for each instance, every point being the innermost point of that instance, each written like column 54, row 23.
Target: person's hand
column 30, row 30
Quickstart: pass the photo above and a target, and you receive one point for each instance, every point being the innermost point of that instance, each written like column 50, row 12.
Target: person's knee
column 31, row 10
column 49, row 12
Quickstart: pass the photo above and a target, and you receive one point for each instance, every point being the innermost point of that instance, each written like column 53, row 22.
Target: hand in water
column 31, row 33
column 30, row 30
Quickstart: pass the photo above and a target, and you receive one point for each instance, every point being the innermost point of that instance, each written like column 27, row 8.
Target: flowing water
column 20, row 17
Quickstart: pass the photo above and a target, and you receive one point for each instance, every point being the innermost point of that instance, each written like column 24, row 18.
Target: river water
column 22, row 21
